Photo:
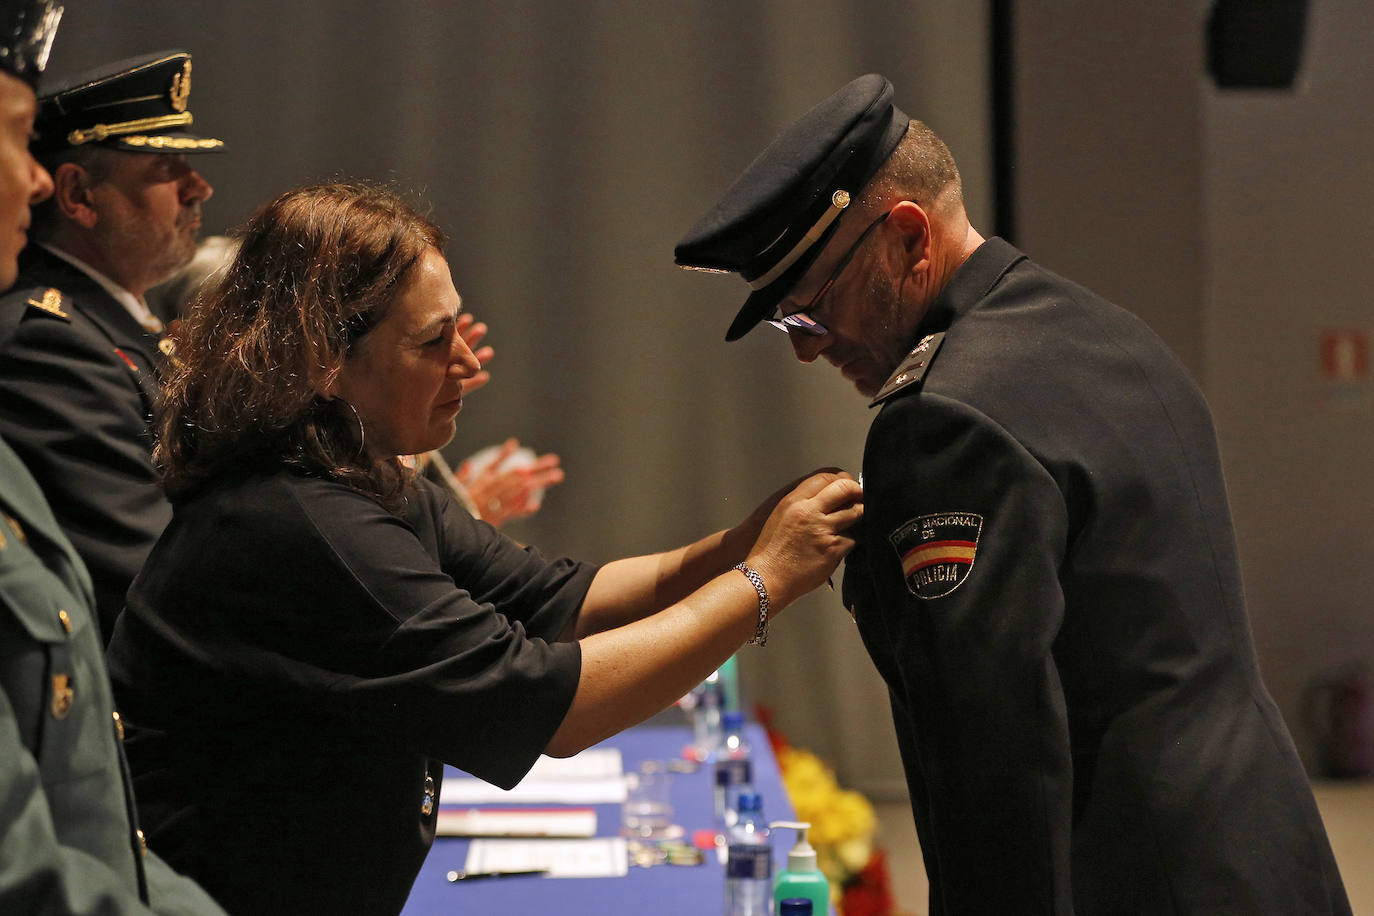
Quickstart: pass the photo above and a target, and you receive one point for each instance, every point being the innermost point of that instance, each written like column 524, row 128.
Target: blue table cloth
column 664, row 890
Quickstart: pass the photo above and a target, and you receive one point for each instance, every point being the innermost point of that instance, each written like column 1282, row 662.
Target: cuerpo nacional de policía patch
column 937, row 551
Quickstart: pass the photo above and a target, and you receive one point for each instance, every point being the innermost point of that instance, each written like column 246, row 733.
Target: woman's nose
column 464, row 363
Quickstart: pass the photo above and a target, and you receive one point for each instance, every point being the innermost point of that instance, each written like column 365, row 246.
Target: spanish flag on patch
column 937, row 551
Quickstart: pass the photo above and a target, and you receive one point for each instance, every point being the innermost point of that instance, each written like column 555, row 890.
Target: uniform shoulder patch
column 912, row 369
column 937, row 551
column 51, row 302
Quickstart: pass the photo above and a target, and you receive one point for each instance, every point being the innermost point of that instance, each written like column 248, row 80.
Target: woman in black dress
column 317, row 632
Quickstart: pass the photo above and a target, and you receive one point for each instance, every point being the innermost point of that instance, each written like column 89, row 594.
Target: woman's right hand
column 806, row 535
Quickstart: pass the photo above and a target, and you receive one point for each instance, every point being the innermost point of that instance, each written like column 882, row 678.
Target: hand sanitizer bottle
column 803, row 876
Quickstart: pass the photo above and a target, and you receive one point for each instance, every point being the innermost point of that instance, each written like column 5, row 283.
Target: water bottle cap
column 795, row 906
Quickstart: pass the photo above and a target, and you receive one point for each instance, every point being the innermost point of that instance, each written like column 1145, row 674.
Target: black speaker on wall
column 1255, row 44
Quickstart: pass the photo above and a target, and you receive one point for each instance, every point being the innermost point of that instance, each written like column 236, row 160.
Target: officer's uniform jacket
column 78, row 381
column 1047, row 581
column 68, row 834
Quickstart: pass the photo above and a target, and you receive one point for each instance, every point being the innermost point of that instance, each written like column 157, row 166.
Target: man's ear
column 72, row 195
column 913, row 225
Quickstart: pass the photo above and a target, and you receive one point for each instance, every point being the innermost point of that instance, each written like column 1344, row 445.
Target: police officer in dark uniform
column 1046, row 577
column 69, row 841
column 80, row 353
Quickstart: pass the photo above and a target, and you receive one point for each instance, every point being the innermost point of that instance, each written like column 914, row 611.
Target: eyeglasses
column 801, row 320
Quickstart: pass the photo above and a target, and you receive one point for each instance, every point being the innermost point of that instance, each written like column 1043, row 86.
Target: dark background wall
column 1237, row 223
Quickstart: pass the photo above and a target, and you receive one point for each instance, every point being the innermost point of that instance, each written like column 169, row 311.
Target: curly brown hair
column 317, row 268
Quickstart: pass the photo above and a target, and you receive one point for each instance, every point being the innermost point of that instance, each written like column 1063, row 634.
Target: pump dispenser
column 802, row 877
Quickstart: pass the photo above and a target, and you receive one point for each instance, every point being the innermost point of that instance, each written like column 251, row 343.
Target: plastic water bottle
column 707, row 708
column 749, row 867
column 732, row 771
column 733, row 775
column 732, row 741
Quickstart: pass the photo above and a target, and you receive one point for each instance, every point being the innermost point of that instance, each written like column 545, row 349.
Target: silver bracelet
column 760, row 637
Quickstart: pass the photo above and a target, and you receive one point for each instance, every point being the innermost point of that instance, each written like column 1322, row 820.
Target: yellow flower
column 842, row 821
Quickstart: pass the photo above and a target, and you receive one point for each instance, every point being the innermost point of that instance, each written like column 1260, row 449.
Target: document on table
column 593, row 777
column 526, row 822
column 603, row 857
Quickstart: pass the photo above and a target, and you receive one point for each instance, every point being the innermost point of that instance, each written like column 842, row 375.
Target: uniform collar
column 131, row 303
column 974, row 279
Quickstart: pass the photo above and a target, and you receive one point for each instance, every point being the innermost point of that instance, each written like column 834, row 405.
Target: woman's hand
column 806, row 534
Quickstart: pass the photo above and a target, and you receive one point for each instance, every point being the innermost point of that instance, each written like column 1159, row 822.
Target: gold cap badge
column 180, row 91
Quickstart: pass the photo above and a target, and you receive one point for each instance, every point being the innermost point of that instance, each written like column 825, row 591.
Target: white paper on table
column 604, row 857
column 593, row 777
column 526, row 822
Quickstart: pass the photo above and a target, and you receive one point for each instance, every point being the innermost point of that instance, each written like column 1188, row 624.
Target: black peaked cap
column 771, row 224
column 140, row 105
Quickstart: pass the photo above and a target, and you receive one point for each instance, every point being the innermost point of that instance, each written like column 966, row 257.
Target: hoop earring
column 362, row 431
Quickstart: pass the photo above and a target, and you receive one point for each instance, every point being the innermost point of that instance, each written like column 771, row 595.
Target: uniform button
column 63, row 693
column 66, row 621
column 142, row 844
column 119, row 725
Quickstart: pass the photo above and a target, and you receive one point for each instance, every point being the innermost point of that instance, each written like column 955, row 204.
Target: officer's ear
column 912, row 223
column 73, row 195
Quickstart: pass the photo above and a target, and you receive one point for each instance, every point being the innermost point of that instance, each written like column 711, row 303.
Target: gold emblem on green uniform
column 51, row 303
column 16, row 528
column 62, row 695
column 180, row 91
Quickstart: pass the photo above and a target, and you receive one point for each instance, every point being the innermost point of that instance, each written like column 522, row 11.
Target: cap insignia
column 180, row 91
column 51, row 303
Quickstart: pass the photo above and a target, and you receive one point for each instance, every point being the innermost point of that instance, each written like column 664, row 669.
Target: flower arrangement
column 843, row 825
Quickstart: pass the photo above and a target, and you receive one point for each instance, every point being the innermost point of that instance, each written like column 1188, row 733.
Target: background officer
column 80, row 353
column 1046, row 577
column 68, row 838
